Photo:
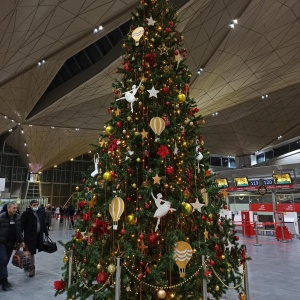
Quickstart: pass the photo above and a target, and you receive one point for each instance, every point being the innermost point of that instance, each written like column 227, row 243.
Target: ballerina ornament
column 130, row 95
column 162, row 209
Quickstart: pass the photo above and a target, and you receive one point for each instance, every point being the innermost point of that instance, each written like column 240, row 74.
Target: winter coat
column 48, row 219
column 4, row 228
column 32, row 239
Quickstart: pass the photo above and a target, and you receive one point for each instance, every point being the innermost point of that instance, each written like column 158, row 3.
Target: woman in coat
column 33, row 226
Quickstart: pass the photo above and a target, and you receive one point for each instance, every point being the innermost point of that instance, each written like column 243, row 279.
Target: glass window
column 260, row 158
column 232, row 163
column 225, row 162
column 295, row 145
column 269, row 154
column 281, row 150
column 215, row 161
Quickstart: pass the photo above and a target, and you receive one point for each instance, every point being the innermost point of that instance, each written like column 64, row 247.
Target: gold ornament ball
column 187, row 208
column 138, row 160
column 134, row 185
column 131, row 219
column 99, row 266
column 161, row 294
column 222, row 256
column 109, row 130
column 66, row 259
column 77, row 188
column 217, row 288
column 181, row 98
column 111, row 268
column 99, row 215
column 242, row 296
column 107, row 176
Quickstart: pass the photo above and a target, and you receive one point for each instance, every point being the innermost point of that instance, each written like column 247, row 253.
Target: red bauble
column 129, row 171
column 203, row 218
column 102, row 277
column 169, row 170
column 236, row 238
column 145, row 153
column 122, row 231
column 152, row 238
column 225, row 206
column 147, row 206
column 219, row 195
column 118, row 124
column 128, row 199
column 84, row 259
column 141, row 236
column 216, row 247
column 176, row 52
column 212, row 262
column 168, row 29
column 165, row 90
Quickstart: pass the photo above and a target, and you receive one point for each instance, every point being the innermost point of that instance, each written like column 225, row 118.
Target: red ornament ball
column 141, row 236
column 216, row 247
column 169, row 170
column 102, row 277
column 236, row 238
column 152, row 238
column 122, row 231
column 119, row 124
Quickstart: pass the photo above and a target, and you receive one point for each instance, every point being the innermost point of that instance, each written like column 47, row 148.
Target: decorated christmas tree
column 150, row 222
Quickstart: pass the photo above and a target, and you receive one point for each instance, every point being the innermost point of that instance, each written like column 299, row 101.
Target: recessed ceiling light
column 280, row 137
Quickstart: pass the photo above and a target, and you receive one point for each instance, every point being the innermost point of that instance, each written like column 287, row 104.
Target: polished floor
column 273, row 272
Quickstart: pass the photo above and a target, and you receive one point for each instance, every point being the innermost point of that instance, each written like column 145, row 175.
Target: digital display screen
column 241, row 181
column 222, row 182
column 282, row 178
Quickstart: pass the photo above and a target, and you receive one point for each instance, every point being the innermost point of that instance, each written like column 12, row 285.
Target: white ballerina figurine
column 199, row 154
column 130, row 95
column 162, row 209
column 96, row 162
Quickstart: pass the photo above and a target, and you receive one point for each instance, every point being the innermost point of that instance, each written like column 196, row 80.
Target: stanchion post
column 70, row 267
column 246, row 281
column 204, row 283
column 118, row 280
column 256, row 236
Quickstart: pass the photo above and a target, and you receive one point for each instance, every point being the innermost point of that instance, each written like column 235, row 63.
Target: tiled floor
column 273, row 271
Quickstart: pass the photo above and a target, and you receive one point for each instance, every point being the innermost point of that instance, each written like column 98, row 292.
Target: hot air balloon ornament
column 157, row 124
column 137, row 34
column 130, row 95
column 182, row 254
column 162, row 209
column 116, row 208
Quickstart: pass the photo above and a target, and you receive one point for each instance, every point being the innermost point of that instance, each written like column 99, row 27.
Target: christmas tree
column 151, row 204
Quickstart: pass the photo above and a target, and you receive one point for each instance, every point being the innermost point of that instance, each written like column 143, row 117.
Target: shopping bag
column 48, row 245
column 21, row 258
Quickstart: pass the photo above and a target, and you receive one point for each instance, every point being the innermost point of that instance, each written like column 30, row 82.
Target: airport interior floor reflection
column 273, row 271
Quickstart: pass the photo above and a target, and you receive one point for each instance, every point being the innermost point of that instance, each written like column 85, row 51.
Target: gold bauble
column 109, row 130
column 138, row 160
column 111, row 268
column 66, row 259
column 242, row 296
column 99, row 215
column 187, row 208
column 77, row 188
column 217, row 288
column 223, row 257
column 107, row 176
column 134, row 185
column 131, row 219
column 161, row 294
column 94, row 197
column 181, row 98
column 99, row 266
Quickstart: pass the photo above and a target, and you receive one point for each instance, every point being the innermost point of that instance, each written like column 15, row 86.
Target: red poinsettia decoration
column 150, row 59
column 86, row 216
column 59, row 285
column 163, row 151
column 101, row 227
column 113, row 145
column 81, row 205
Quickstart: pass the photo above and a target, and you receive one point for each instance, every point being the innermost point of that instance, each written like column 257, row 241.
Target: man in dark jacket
column 10, row 234
column 33, row 225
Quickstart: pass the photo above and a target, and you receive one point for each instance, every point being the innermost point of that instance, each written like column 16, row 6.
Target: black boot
column 5, row 284
column 31, row 271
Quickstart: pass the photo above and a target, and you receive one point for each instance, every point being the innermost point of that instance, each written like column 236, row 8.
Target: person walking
column 33, row 225
column 48, row 218
column 70, row 213
column 10, row 234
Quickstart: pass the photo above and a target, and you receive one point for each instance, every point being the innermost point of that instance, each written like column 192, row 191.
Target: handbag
column 48, row 245
column 21, row 258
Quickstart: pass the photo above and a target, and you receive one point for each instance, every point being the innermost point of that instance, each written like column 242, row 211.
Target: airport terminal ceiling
column 250, row 73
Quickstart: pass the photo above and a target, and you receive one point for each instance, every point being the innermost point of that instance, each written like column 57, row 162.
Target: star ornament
column 197, row 205
column 150, row 21
column 156, row 179
column 229, row 246
column 205, row 234
column 117, row 111
column 153, row 92
column 144, row 134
